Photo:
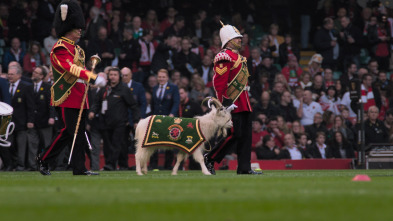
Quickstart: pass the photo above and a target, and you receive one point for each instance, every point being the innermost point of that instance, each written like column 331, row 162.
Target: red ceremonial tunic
column 62, row 59
column 223, row 62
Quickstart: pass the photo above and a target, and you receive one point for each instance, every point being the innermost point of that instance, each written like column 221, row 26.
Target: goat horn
column 216, row 102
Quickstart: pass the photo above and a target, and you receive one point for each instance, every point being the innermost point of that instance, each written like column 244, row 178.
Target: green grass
column 276, row 195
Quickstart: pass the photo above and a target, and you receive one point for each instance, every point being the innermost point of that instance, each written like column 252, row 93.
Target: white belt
column 81, row 81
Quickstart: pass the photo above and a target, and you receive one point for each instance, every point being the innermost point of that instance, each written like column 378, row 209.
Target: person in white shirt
column 308, row 108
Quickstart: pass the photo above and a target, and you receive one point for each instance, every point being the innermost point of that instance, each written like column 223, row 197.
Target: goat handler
column 70, row 77
column 230, row 83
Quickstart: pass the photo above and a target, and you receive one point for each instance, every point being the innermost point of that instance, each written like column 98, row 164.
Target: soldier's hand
column 91, row 115
column 51, row 121
column 30, row 125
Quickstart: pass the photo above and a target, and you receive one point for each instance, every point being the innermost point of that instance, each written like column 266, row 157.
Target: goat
column 217, row 120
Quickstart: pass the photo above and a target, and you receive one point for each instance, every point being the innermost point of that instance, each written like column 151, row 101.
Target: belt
column 81, row 81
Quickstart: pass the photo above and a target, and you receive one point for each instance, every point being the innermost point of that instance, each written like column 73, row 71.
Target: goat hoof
column 174, row 173
column 139, row 174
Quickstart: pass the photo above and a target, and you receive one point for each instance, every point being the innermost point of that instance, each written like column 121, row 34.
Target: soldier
column 70, row 77
column 230, row 83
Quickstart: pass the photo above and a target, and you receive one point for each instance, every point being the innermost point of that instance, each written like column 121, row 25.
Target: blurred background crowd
column 301, row 57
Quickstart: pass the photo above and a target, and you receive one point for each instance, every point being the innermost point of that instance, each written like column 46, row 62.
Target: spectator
column 314, row 65
column 186, row 61
column 319, row 148
column 308, row 108
column 388, row 122
column 130, row 51
column 148, row 49
column 15, row 53
column 350, row 41
column 273, row 130
column 328, row 77
column 266, row 49
column 115, row 31
column 330, row 101
column 317, row 88
column 215, row 45
column 292, row 71
column 163, row 58
column 325, row 42
column 165, row 101
column 114, row 117
column 282, row 125
column 303, row 144
column 317, row 126
column 286, row 49
column 373, row 67
column 370, row 95
column 199, row 92
column 175, row 77
column 328, row 119
column 151, row 22
column 379, row 37
column 298, row 96
column 33, row 58
column 252, row 64
column 341, row 147
column 297, row 129
column 206, row 70
column 169, row 20
column 188, row 108
column 45, row 15
column 22, row 102
column 256, row 135
column 49, row 42
column 44, row 116
column 18, row 23
column 137, row 30
column 346, row 77
column 305, row 80
column 374, row 129
column 276, row 93
column 286, row 108
column 177, row 29
column 103, row 47
column 93, row 23
column 200, row 30
column 275, row 40
column 340, row 126
column 245, row 50
column 291, row 150
column 269, row 151
column 268, row 67
column 265, row 106
column 260, row 85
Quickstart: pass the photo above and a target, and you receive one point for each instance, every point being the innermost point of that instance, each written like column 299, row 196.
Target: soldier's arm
column 64, row 60
column 221, row 76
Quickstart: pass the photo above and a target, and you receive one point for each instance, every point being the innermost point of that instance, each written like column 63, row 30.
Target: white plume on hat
column 64, row 10
column 227, row 33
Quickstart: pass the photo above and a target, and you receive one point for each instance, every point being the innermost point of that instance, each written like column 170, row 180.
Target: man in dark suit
column 102, row 46
column 206, row 70
column 186, row 61
column 44, row 116
column 138, row 92
column 23, row 116
column 4, row 93
column 165, row 101
column 326, row 44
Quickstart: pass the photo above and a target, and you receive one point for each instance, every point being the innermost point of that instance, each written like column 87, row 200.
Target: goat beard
column 222, row 131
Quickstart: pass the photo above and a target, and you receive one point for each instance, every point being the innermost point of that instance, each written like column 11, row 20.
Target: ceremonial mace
column 94, row 61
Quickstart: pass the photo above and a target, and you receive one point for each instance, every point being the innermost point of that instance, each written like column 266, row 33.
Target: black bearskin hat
column 68, row 16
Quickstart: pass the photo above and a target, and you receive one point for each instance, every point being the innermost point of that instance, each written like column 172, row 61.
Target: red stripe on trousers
column 58, row 137
column 225, row 142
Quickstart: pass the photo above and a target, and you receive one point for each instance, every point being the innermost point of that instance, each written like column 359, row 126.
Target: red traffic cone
column 361, row 177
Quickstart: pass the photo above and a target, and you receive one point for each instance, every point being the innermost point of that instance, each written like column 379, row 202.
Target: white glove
column 100, row 81
column 232, row 107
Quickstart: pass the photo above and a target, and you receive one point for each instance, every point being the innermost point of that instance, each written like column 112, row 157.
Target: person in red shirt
column 256, row 134
column 230, row 83
column 70, row 77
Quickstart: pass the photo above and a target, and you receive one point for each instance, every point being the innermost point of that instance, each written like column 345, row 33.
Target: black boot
column 209, row 164
column 42, row 166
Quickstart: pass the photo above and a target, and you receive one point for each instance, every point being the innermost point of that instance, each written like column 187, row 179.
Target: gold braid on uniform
column 75, row 70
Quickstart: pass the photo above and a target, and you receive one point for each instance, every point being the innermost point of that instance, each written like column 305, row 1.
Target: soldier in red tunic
column 230, row 82
column 70, row 77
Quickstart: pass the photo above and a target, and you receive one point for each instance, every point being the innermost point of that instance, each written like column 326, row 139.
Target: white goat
column 217, row 120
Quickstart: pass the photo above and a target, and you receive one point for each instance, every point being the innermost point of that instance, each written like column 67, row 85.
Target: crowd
column 162, row 63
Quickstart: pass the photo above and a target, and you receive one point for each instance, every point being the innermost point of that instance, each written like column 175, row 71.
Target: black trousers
column 238, row 137
column 68, row 119
column 114, row 142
